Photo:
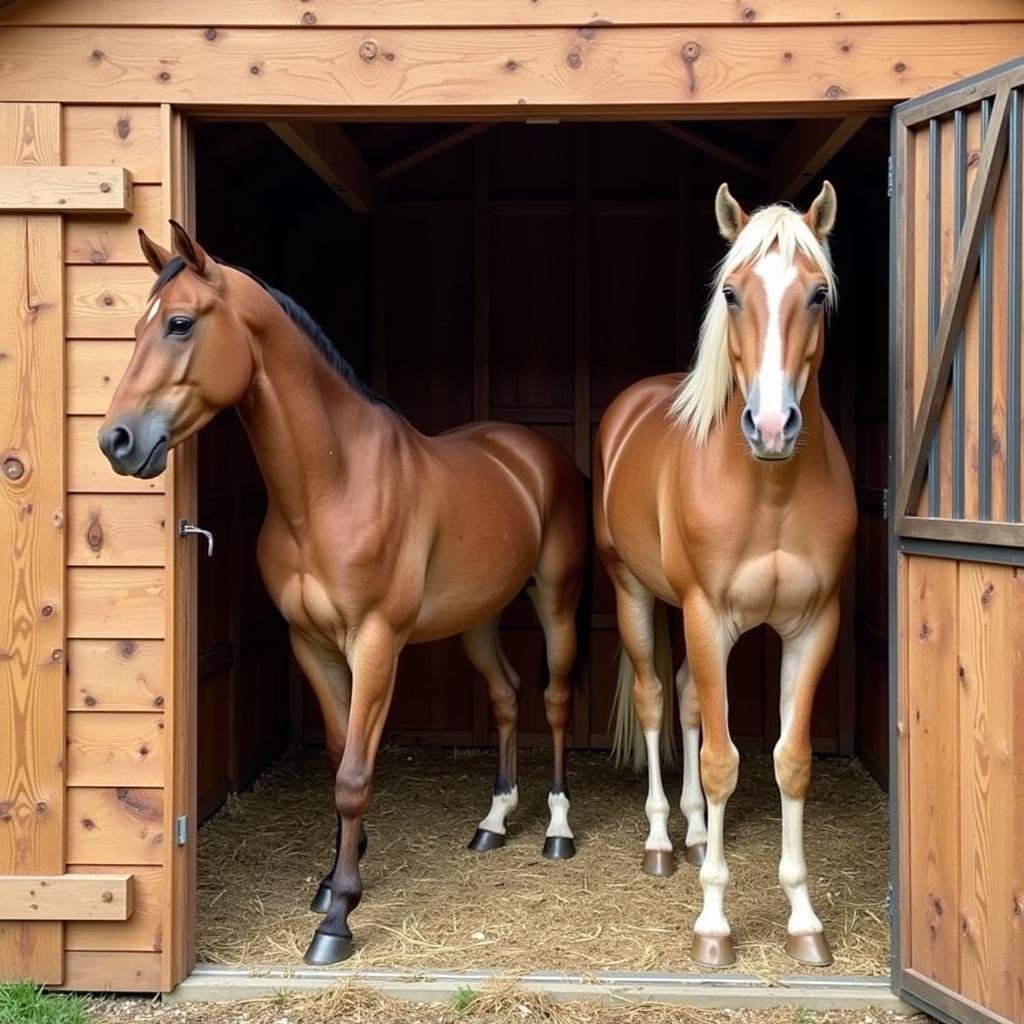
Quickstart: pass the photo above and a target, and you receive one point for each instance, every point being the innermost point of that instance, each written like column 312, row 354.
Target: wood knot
column 13, row 468
column 5, row 810
column 256, row 69
column 749, row 14
column 389, row 56
column 367, row 50
column 124, row 127
column 104, row 186
column 835, row 92
column 210, row 34
column 57, row 655
column 961, row 672
column 88, row 824
column 691, row 52
column 46, row 611
column 128, row 648
column 308, row 18
column 97, row 256
column 164, row 76
column 574, row 59
column 107, row 897
column 96, row 55
column 924, row 632
column 511, row 65
column 1018, row 906
column 108, row 299
column 973, row 157
column 899, row 67
column 987, row 592
column 90, row 701
column 58, row 519
column 965, row 926
column 158, row 702
column 787, row 57
column 937, row 907
column 144, row 750
column 42, row 807
column 94, row 534
column 846, row 46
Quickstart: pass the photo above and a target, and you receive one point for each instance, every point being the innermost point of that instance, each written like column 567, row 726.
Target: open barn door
column 957, row 584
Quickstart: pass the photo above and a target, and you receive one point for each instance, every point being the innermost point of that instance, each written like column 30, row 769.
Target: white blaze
column 153, row 310
column 777, row 276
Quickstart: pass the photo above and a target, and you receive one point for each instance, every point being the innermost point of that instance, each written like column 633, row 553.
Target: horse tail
column 628, row 744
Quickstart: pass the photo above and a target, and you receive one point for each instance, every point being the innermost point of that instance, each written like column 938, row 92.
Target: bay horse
column 375, row 534
column 726, row 493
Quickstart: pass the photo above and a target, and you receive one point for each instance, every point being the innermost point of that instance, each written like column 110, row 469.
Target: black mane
column 298, row 316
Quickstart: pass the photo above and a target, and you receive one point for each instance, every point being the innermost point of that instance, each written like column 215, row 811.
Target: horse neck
column 305, row 421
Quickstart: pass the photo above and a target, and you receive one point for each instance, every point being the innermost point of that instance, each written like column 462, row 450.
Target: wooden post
column 32, row 605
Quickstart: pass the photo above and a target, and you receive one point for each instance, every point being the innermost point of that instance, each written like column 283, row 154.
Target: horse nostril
column 120, row 441
column 793, row 423
column 747, row 425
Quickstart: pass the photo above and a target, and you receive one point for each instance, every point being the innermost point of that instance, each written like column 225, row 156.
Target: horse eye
column 730, row 296
column 820, row 296
column 179, row 325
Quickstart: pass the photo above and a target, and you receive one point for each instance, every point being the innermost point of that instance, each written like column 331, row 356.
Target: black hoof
column 559, row 847
column 484, row 841
column 322, row 900
column 328, row 949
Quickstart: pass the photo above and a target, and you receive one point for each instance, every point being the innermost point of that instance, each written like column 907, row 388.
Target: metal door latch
column 185, row 528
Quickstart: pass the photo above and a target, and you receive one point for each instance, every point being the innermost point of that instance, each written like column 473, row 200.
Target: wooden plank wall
column 961, row 727
column 117, row 691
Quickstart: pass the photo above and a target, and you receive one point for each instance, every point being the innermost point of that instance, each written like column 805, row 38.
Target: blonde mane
column 702, row 398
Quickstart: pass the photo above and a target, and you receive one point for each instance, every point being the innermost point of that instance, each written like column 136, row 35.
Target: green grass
column 462, row 999
column 22, row 1003
column 801, row 1016
column 280, row 997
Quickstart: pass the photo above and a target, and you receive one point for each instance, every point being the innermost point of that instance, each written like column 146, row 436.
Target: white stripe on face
column 777, row 277
column 153, row 309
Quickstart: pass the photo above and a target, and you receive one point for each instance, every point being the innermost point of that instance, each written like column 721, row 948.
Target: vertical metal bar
column 1014, row 340
column 985, row 354
column 934, row 286
column 959, row 365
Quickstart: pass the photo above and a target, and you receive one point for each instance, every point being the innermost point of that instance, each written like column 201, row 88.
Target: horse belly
column 775, row 588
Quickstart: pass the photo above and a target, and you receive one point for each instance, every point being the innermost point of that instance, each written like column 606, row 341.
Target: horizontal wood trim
column 567, row 13
column 115, row 239
column 962, row 531
column 93, row 371
column 115, row 825
column 106, row 897
column 116, row 529
column 965, row 97
column 111, row 971
column 65, row 190
column 106, row 301
column 503, row 69
column 115, row 675
column 109, row 602
column 88, row 469
column 142, row 931
column 124, row 136
column 115, row 748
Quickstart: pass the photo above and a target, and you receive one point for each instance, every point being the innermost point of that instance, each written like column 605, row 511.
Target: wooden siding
column 962, row 750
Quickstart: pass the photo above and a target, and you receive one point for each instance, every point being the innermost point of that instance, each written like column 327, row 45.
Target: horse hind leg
column 691, row 800
column 482, row 644
column 555, row 603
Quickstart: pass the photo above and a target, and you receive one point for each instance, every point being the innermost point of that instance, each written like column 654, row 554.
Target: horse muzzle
column 136, row 445
column 772, row 435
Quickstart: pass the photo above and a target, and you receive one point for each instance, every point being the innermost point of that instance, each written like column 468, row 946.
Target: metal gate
column 957, row 586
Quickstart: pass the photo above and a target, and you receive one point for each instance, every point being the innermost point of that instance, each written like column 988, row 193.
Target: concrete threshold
column 212, row 983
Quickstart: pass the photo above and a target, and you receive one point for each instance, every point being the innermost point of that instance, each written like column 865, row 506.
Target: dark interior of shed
column 524, row 272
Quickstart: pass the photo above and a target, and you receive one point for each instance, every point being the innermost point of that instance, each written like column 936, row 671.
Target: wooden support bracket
column 332, row 155
column 66, row 897
column 805, row 150
column 35, row 189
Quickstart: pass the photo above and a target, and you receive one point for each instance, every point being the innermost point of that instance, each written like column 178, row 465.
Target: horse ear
column 821, row 217
column 156, row 255
column 190, row 251
column 730, row 215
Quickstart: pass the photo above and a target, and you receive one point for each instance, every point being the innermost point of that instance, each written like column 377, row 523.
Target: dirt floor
column 498, row 1006
column 429, row 902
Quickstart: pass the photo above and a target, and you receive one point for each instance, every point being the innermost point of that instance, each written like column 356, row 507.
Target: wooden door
column 958, row 549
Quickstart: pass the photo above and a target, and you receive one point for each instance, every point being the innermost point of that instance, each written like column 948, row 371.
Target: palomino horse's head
column 764, row 326
column 776, row 303
column 193, row 357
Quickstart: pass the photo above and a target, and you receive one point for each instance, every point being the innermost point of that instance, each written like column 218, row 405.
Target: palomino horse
column 376, row 536
column 726, row 493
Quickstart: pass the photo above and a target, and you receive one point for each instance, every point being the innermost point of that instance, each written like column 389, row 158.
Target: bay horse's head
column 193, row 357
column 764, row 327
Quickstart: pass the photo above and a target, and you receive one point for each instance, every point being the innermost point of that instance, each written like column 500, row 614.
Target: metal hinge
column 889, row 187
column 885, row 503
column 181, row 830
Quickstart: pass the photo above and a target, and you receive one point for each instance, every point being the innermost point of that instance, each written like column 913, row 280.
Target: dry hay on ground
column 430, row 903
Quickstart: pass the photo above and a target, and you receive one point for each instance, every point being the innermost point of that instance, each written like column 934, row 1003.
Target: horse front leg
column 374, row 659
column 804, row 657
column 708, row 642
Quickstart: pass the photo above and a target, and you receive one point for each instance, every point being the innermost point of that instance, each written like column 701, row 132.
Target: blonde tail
column 628, row 744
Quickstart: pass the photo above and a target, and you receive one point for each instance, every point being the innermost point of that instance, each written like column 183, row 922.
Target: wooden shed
column 520, row 225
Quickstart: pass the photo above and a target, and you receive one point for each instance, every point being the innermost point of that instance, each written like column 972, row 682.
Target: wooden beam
column 469, row 75
column 698, row 142
column 65, row 190
column 332, row 156
column 439, row 13
column 958, row 293
column 428, row 152
column 805, row 150
column 65, row 897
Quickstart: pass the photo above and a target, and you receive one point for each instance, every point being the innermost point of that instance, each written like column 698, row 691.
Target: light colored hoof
column 713, row 950
column 695, row 854
column 658, row 863
column 812, row 950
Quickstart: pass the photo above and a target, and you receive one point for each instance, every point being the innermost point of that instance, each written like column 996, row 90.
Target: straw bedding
column 430, row 903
